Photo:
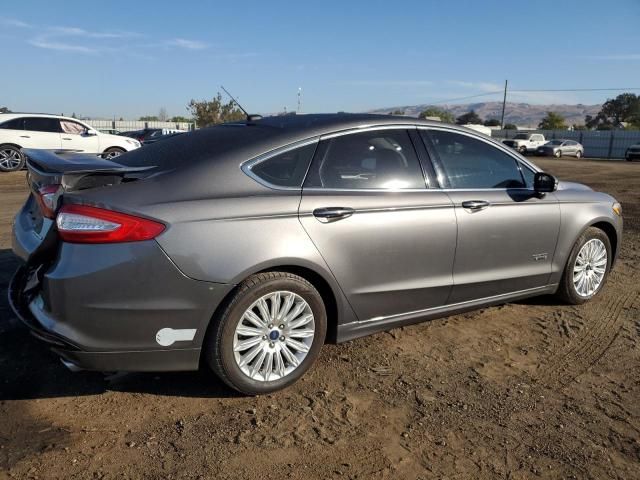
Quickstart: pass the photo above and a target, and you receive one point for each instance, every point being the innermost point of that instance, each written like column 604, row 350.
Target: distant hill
column 522, row 114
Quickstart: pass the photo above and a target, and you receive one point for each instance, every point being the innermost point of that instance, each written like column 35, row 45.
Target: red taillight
column 46, row 198
column 84, row 224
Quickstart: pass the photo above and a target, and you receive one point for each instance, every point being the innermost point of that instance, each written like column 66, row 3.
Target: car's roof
column 322, row 123
column 12, row 115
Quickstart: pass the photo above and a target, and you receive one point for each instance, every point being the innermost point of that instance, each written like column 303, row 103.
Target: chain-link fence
column 597, row 144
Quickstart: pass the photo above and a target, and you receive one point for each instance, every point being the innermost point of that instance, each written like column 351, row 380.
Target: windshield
column 522, row 136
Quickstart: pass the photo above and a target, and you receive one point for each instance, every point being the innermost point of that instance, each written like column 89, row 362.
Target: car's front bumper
column 632, row 155
column 101, row 307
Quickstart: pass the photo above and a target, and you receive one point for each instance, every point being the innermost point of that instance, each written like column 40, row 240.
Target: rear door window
column 470, row 163
column 42, row 124
column 378, row 159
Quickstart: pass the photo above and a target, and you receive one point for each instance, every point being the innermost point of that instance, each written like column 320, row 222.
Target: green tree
column 492, row 122
column 510, row 126
column 181, row 119
column 214, row 111
column 4, row 110
column 397, row 112
column 149, row 118
column 444, row 115
column 624, row 108
column 469, row 118
column 553, row 121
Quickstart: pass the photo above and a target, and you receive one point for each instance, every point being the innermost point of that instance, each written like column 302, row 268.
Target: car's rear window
column 202, row 145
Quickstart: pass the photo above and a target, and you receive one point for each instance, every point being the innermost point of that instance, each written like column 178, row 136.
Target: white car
column 526, row 142
column 53, row 132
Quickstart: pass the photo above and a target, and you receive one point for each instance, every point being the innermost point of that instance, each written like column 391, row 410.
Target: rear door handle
column 331, row 214
column 25, row 136
column 475, row 205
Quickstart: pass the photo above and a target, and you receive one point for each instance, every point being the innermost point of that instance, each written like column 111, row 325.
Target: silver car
column 559, row 148
column 247, row 246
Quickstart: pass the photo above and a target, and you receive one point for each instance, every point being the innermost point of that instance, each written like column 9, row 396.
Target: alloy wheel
column 10, row 159
column 273, row 336
column 590, row 267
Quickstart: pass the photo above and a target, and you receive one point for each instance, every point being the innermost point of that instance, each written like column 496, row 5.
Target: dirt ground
column 534, row 389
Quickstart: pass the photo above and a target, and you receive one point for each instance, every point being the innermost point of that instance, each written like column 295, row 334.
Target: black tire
column 578, row 154
column 558, row 154
column 11, row 158
column 522, row 150
column 113, row 152
column 218, row 344
column 566, row 290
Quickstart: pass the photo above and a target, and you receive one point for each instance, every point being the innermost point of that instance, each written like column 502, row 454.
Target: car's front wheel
column 587, row 267
column 113, row 152
column 558, row 153
column 522, row 150
column 578, row 154
column 268, row 333
column 11, row 158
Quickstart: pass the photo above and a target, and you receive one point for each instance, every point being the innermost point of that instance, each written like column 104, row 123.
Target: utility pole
column 504, row 104
column 299, row 100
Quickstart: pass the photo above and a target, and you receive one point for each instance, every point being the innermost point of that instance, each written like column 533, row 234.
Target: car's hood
column 572, row 186
column 115, row 139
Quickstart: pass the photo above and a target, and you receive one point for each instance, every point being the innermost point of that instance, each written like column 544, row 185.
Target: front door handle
column 475, row 205
column 331, row 214
column 25, row 136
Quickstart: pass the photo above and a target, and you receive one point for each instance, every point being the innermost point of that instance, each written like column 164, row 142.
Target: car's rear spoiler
column 72, row 170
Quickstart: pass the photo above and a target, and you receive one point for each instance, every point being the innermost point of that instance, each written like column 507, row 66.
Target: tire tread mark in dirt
column 606, row 322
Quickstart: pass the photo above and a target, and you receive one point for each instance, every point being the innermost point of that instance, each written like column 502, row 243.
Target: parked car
column 110, row 131
column 26, row 130
column 632, row 153
column 247, row 246
column 526, row 142
column 558, row 148
column 149, row 134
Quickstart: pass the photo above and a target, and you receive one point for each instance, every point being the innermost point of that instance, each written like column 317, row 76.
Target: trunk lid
column 34, row 234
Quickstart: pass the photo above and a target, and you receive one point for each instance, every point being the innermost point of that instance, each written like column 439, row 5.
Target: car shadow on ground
column 29, row 370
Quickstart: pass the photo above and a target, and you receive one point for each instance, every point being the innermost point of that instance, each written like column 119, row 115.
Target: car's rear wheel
column 268, row 333
column 11, row 158
column 558, row 153
column 587, row 268
column 113, row 152
column 578, row 154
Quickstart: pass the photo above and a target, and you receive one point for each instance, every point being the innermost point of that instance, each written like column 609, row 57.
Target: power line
column 577, row 89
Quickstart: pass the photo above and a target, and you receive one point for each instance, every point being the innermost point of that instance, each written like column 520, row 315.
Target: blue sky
column 129, row 58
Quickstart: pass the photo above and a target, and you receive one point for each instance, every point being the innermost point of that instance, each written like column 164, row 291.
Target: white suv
column 526, row 142
column 52, row 132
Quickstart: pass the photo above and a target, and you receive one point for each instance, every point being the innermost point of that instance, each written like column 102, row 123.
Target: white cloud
column 481, row 86
column 49, row 44
column 12, row 22
column 388, row 83
column 187, row 44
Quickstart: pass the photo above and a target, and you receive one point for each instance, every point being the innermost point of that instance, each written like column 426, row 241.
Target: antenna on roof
column 249, row 117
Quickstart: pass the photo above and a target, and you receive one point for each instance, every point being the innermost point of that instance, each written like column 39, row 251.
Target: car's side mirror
column 544, row 182
column 91, row 132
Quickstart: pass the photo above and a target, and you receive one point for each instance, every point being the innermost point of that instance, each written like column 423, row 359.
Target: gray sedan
column 559, row 148
column 247, row 246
